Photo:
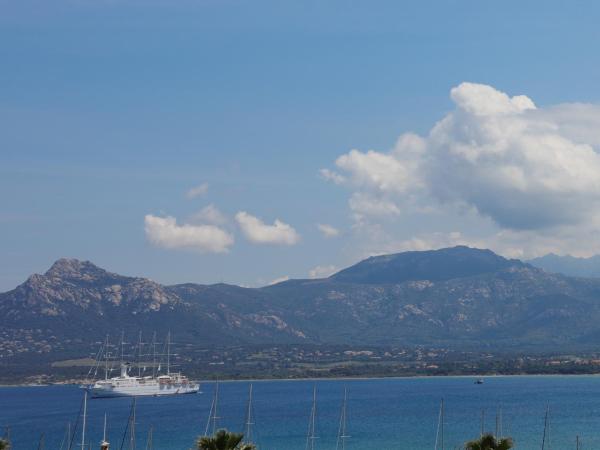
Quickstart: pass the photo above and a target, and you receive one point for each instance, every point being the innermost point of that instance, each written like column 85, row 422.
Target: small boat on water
column 126, row 385
column 479, row 381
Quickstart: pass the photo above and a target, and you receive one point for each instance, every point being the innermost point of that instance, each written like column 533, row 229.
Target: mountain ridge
column 434, row 265
column 569, row 265
column 457, row 297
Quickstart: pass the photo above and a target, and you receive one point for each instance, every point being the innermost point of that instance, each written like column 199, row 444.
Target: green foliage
column 4, row 444
column 489, row 442
column 223, row 440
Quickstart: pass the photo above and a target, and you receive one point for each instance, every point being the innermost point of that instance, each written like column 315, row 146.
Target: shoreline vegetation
column 307, row 362
column 78, row 382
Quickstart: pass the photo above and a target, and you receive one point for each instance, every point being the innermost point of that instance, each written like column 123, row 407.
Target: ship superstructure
column 168, row 383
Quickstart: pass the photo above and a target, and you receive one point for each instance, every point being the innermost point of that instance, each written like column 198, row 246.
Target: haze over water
column 382, row 413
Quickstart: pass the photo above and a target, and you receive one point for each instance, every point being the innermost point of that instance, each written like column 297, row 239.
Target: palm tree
column 489, row 442
column 222, row 440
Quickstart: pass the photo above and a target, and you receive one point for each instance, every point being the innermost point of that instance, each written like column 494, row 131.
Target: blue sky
column 111, row 111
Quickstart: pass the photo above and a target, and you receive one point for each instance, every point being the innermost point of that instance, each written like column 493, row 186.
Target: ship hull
column 153, row 390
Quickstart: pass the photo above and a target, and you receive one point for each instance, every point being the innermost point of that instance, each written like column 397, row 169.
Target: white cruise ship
column 169, row 383
column 125, row 385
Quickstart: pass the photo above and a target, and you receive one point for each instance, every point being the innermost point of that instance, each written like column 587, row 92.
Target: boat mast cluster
column 144, row 354
column 342, row 435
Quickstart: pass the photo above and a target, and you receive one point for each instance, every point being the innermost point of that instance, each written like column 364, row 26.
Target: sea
column 538, row 412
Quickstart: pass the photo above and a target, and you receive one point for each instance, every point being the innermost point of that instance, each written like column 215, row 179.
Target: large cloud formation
column 166, row 233
column 525, row 168
column 257, row 232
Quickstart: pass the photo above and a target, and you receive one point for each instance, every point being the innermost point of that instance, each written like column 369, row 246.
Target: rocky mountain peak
column 75, row 269
column 456, row 296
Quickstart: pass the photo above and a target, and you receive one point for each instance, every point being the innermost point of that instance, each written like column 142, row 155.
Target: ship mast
column 169, row 353
column 139, row 362
column 154, row 355
column 106, row 359
column 122, row 346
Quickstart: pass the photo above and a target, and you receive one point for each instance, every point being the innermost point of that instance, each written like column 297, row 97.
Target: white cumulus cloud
column 330, row 175
column 364, row 204
column 328, row 231
column 498, row 157
column 258, row 232
column 197, row 191
column 166, row 233
column 209, row 214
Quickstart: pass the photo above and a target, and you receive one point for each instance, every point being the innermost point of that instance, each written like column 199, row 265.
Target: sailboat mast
column 139, row 362
column 248, row 436
column 344, row 422
column 482, row 421
column 496, row 430
column 501, row 430
column 212, row 414
column 314, row 417
column 84, row 420
column 149, row 440
column 104, row 445
column 341, row 441
column 122, row 346
column 440, row 427
column 132, row 427
column 310, row 438
column 216, row 403
column 546, row 431
column 443, row 448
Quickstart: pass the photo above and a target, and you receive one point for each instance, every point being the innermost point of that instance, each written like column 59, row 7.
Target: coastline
column 405, row 377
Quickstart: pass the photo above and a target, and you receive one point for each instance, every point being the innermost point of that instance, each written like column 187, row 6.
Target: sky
column 251, row 141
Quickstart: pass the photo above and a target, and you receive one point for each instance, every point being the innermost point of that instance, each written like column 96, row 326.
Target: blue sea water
column 398, row 414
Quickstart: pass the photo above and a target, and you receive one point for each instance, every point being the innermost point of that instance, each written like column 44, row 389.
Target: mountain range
column 569, row 265
column 456, row 297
